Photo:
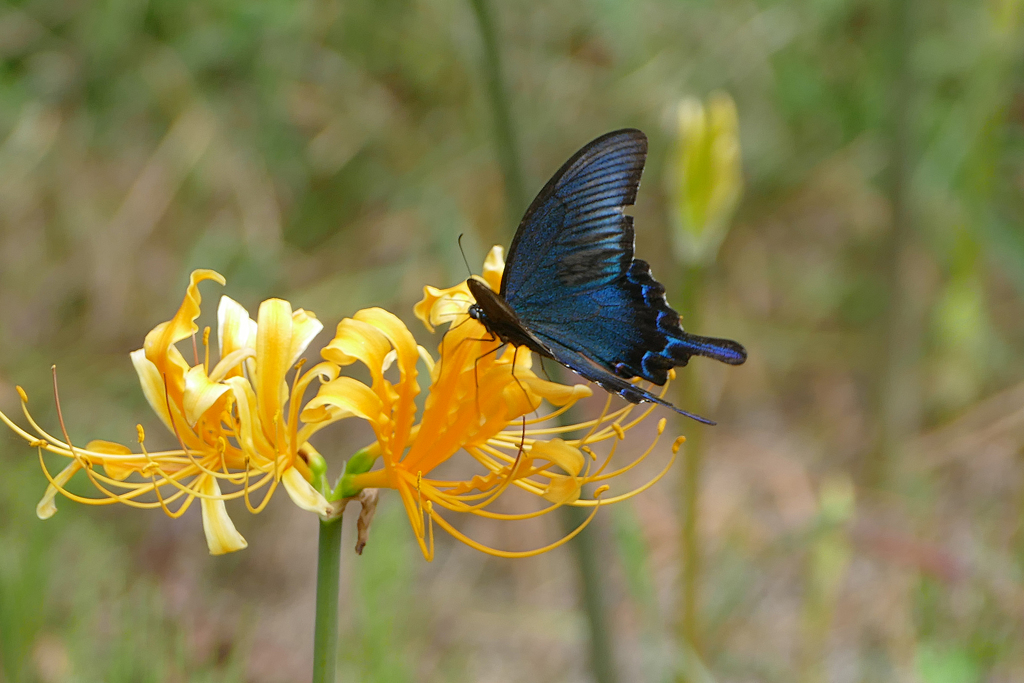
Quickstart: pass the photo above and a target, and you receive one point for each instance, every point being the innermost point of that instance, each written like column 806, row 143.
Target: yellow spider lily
column 236, row 422
column 241, row 425
column 477, row 405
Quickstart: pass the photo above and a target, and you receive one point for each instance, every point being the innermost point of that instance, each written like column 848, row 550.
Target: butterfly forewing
column 575, row 233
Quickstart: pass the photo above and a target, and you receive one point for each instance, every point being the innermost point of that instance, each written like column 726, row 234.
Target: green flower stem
column 693, row 457
column 328, row 578
column 504, row 131
column 585, row 549
column 584, row 545
column 898, row 388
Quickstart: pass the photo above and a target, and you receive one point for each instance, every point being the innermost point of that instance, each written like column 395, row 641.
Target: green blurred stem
column 504, row 132
column 584, row 545
column 585, row 550
column 898, row 395
column 328, row 578
column 693, row 456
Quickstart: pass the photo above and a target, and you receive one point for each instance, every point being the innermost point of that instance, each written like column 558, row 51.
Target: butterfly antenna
column 464, row 259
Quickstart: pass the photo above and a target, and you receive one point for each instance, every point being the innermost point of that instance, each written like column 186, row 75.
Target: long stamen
column 273, row 480
column 625, row 468
column 512, row 553
column 293, row 410
column 60, row 418
column 110, row 500
column 14, row 427
column 177, row 434
column 206, row 347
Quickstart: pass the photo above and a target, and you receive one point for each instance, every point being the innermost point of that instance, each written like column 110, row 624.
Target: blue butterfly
column 572, row 290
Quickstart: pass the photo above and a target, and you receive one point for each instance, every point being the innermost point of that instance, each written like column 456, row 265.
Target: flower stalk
column 705, row 183
column 328, row 579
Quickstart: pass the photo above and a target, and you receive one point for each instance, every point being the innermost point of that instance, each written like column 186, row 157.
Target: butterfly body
column 573, row 292
column 494, row 313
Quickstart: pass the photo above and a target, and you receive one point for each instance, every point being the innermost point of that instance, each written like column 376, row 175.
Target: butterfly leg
column 522, row 447
column 445, row 335
column 476, row 376
column 544, row 369
column 515, row 354
column 455, row 327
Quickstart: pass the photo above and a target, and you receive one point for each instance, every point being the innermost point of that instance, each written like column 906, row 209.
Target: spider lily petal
column 237, row 425
column 477, row 406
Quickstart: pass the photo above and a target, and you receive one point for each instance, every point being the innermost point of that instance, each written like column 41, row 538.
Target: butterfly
column 573, row 292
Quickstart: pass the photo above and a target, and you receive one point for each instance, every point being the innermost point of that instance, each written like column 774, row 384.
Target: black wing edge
column 614, row 384
column 549, row 189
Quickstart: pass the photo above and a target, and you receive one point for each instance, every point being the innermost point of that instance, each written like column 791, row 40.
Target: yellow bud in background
column 705, row 176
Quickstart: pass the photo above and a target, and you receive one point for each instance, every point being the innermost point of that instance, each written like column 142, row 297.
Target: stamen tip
column 678, row 443
column 22, row 394
column 141, row 432
column 661, row 426
column 619, row 431
column 601, row 489
column 672, row 373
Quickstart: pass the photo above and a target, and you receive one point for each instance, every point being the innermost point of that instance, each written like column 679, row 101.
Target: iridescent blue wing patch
column 574, row 285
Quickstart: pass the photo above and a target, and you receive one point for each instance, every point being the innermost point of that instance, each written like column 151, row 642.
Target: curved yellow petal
column 152, row 386
column 397, row 333
column 305, row 327
column 273, row 360
column 115, row 469
column 303, row 494
column 494, row 267
column 340, row 398
column 423, row 307
column 221, row 535
column 401, row 401
column 563, row 490
column 519, row 399
column 47, row 507
column 231, row 364
column 235, row 330
column 357, row 340
column 554, row 393
column 159, row 342
column 439, row 306
column 557, row 451
column 250, row 435
column 200, row 394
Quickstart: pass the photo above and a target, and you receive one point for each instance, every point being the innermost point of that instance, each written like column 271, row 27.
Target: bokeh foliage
column 331, row 152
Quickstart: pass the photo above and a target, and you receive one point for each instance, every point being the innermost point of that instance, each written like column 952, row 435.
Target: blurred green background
column 860, row 513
